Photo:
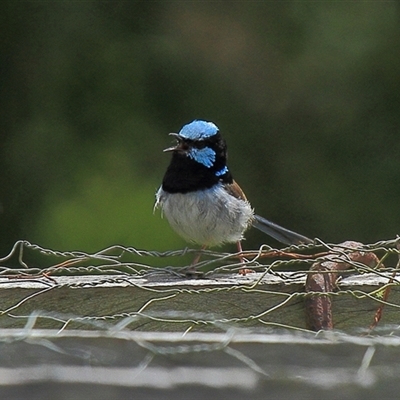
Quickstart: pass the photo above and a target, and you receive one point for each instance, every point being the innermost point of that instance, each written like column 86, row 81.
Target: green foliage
column 306, row 94
column 109, row 203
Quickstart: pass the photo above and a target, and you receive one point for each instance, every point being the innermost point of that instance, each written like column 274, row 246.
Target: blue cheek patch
column 222, row 171
column 204, row 156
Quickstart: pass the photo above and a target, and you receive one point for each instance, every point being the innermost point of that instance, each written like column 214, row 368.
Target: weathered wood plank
column 167, row 303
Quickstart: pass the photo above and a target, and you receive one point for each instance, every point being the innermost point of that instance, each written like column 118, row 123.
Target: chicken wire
column 263, row 274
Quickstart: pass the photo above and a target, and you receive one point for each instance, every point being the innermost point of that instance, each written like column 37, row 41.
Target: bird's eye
column 184, row 146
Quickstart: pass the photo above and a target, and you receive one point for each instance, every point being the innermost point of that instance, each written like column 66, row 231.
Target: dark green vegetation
column 306, row 94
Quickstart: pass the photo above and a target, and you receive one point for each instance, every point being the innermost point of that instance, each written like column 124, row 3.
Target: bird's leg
column 240, row 250
column 244, row 270
column 198, row 256
column 191, row 271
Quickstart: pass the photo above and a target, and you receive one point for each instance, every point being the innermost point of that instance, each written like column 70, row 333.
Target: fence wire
column 124, row 288
column 144, row 319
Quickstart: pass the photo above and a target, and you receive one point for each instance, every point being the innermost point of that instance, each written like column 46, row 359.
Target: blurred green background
column 307, row 95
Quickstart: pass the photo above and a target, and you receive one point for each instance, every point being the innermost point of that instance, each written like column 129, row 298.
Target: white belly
column 208, row 217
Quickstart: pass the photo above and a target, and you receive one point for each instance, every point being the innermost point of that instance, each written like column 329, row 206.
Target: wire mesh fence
column 124, row 318
column 307, row 287
column 233, row 364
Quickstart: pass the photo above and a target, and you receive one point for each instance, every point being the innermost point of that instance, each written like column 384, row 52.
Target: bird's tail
column 279, row 233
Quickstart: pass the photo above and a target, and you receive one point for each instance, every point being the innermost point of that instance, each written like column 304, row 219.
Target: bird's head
column 201, row 142
column 198, row 159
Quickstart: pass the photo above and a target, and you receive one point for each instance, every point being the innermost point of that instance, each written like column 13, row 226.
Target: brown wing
column 235, row 190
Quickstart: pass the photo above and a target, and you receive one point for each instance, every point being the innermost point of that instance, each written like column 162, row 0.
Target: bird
column 201, row 200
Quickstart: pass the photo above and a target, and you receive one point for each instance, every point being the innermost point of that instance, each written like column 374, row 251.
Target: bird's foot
column 245, row 271
column 191, row 272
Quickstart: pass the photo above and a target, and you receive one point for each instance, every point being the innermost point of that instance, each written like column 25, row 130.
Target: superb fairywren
column 199, row 197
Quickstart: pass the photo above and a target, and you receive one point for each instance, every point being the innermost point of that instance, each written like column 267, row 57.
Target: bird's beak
column 178, row 145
